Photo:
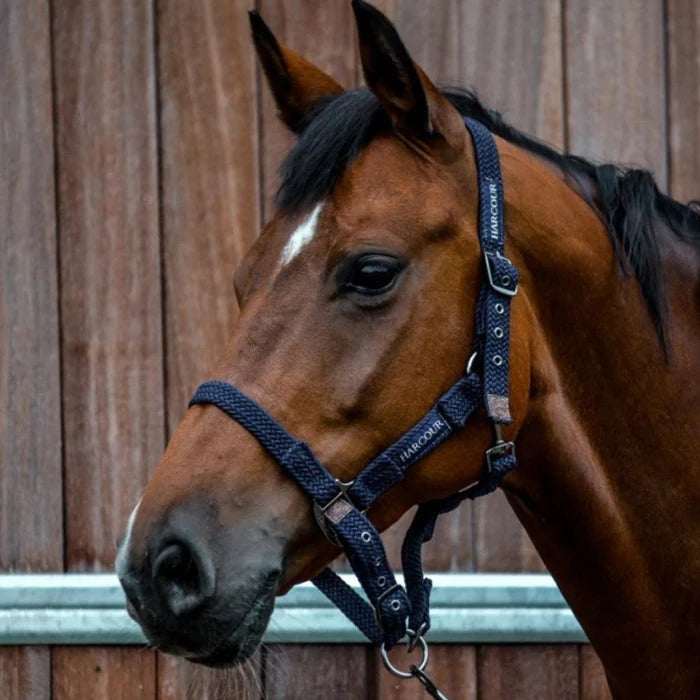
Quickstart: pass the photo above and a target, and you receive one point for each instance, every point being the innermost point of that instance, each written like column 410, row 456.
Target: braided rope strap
column 493, row 306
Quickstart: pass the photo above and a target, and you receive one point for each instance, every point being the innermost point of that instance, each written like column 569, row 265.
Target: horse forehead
column 388, row 178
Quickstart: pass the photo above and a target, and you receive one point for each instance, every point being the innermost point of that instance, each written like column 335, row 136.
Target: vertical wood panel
column 110, row 270
column 31, row 518
column 181, row 680
column 323, row 33
column 684, row 98
column 210, row 180
column 25, row 673
column 113, row 673
column 304, row 671
column 528, row 672
column 509, row 52
column 30, row 422
column 110, row 302
column 594, row 685
column 615, row 86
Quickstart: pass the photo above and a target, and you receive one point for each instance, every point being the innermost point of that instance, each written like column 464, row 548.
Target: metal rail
column 489, row 608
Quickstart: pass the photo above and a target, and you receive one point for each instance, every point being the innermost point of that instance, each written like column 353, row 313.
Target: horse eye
column 373, row 274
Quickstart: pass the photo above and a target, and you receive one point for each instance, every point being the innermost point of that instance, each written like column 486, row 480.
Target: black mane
column 628, row 201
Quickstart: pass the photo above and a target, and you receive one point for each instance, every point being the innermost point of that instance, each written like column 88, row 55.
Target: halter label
column 428, row 435
column 493, row 208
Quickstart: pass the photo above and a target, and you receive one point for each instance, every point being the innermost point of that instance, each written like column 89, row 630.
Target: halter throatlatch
column 394, row 611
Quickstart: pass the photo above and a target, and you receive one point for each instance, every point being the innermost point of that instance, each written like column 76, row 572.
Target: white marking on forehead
column 302, row 236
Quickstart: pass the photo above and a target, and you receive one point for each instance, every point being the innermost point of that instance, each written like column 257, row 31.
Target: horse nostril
column 183, row 578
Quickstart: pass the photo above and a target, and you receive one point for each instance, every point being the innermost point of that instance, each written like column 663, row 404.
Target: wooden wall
column 138, row 156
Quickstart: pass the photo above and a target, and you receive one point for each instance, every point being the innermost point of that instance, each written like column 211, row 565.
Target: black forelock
column 337, row 130
column 628, row 201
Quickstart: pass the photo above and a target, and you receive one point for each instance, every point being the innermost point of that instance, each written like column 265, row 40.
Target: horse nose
column 183, row 576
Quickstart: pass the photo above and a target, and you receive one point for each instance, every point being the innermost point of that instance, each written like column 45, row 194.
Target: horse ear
column 416, row 107
column 297, row 85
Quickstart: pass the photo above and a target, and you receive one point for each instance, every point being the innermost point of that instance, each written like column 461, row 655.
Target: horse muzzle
column 188, row 597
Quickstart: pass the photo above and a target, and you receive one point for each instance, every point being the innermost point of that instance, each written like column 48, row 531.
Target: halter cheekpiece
column 391, row 611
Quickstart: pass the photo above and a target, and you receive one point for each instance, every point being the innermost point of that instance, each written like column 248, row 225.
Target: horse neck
column 608, row 483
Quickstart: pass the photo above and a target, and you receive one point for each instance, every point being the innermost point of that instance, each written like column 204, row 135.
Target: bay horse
column 357, row 311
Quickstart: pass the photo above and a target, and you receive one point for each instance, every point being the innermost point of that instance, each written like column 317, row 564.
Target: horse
column 357, row 311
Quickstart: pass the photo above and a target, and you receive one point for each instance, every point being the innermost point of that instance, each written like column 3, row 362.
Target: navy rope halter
column 391, row 611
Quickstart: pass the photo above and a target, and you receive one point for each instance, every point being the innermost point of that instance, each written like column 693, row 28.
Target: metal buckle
column 494, row 285
column 341, row 494
column 319, row 512
column 500, row 449
column 380, row 598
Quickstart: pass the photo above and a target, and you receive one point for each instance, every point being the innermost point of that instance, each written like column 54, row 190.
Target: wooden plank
column 110, row 270
column 452, row 667
column 210, row 180
column 510, row 53
column 302, row 671
column 684, row 97
column 181, row 680
column 25, row 673
column 117, row 673
column 615, row 82
column 500, row 542
column 594, row 685
column 30, row 420
column 324, row 33
column 528, row 672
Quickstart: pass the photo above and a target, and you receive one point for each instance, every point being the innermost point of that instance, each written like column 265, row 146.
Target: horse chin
column 220, row 637
column 234, row 650
column 247, row 634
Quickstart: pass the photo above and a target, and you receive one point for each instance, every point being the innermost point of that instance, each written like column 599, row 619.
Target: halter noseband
column 394, row 611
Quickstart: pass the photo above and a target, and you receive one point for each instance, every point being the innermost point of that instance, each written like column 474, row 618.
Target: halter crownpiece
column 394, row 611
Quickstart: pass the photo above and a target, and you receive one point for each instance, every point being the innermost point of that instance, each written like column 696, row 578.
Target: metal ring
column 498, row 332
column 365, row 537
column 398, row 672
column 414, row 637
column 497, row 360
column 381, row 581
column 470, row 363
column 505, row 280
column 395, row 605
column 499, row 308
